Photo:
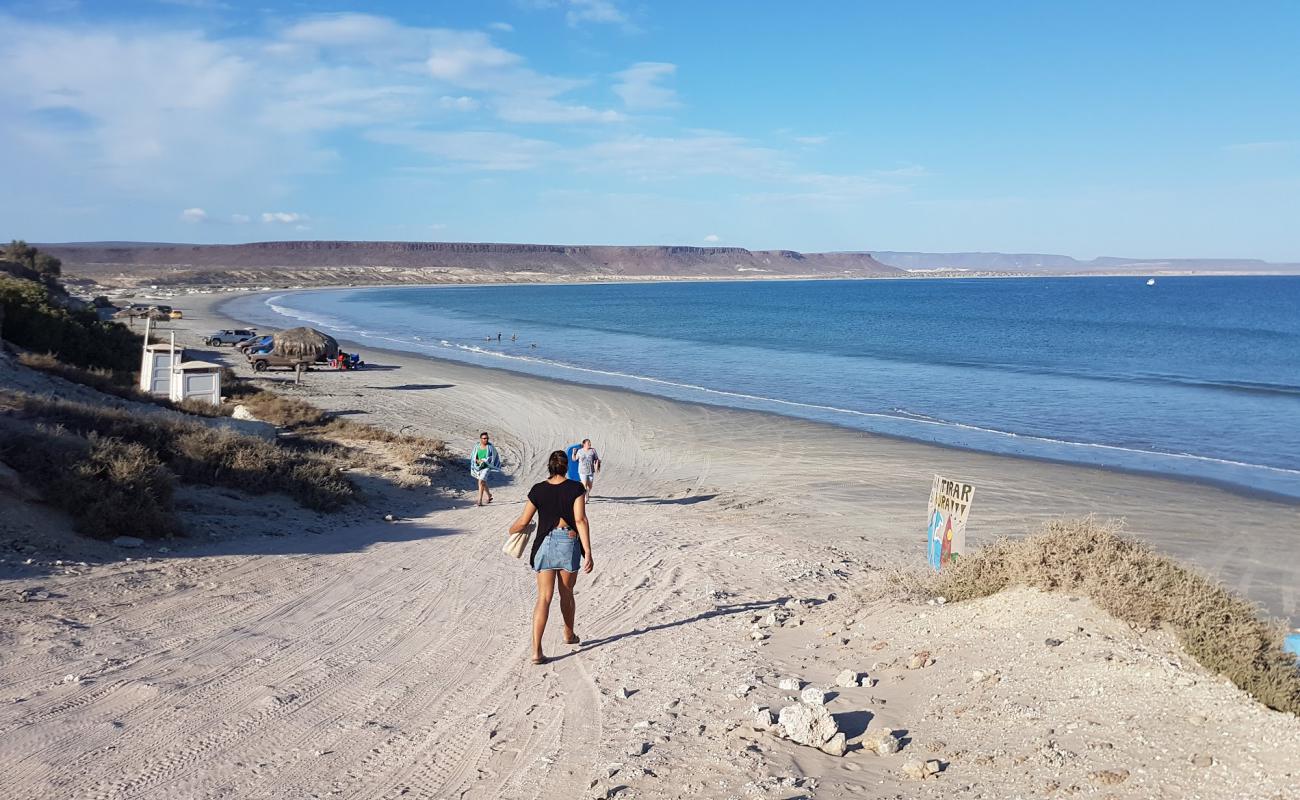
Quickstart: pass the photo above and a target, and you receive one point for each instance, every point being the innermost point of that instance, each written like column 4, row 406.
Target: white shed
column 155, row 368
column 196, row 380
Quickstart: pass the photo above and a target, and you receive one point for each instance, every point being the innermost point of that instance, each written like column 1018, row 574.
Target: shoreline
column 1238, row 488
column 879, row 482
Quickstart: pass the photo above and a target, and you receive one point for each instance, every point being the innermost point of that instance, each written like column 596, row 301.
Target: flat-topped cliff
column 319, row 262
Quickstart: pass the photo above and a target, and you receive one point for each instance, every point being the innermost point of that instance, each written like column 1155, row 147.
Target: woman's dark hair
column 558, row 463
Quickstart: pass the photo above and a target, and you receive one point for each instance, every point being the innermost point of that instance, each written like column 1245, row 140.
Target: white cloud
column 203, row 5
column 640, row 88
column 712, row 237
column 194, row 215
column 284, row 217
column 481, row 150
column 462, row 103
column 577, row 12
column 240, row 219
column 811, row 141
column 504, row 27
column 599, row 11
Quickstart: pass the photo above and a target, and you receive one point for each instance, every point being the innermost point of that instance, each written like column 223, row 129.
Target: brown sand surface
column 299, row 655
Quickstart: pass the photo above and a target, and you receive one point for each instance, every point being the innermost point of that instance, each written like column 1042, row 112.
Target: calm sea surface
column 1193, row 376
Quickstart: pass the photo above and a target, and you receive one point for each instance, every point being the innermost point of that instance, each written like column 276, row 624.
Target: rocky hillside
column 321, row 262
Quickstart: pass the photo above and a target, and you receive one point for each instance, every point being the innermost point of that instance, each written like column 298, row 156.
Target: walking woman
column 483, row 461
column 563, row 541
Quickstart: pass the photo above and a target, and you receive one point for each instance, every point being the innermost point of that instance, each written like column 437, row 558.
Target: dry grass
column 109, row 487
column 117, row 384
column 1225, row 633
column 410, row 460
column 289, row 413
column 197, row 453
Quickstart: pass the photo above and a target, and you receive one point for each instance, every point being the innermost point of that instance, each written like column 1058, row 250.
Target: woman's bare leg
column 545, row 590
column 482, row 490
column 568, row 608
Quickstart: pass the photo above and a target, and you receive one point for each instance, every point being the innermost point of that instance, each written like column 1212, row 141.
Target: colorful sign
column 948, row 509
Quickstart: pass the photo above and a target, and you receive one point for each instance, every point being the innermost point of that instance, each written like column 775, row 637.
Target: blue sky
column 1087, row 128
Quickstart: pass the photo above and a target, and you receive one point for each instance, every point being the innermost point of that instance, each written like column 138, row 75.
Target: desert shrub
column 121, row 488
column 225, row 458
column 32, row 318
column 234, row 386
column 110, row 487
column 197, row 453
column 1222, row 631
column 284, row 412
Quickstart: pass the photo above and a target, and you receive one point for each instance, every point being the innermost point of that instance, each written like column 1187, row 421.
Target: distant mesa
column 327, row 263
column 330, row 262
column 1049, row 264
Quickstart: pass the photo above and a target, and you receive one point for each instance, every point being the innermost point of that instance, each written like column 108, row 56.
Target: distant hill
column 323, row 262
column 1056, row 264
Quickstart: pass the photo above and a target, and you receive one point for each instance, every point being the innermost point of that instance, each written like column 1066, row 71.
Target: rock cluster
column 922, row 770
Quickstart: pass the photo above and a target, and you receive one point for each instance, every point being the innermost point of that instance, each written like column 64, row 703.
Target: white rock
column 847, row 679
column 836, row 745
column 790, row 684
column 758, row 636
column 242, row 412
column 806, row 724
column 743, row 689
column 882, row 742
column 622, row 693
column 813, row 695
column 128, row 541
column 763, row 719
column 638, row 748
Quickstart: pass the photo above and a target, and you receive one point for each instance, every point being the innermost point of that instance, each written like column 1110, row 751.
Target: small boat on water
column 1151, row 281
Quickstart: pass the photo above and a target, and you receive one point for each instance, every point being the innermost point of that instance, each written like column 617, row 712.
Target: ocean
column 1193, row 376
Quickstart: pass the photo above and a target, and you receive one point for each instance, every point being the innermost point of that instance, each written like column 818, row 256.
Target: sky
column 1151, row 129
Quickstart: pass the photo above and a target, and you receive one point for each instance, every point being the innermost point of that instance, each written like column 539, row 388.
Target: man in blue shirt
column 573, row 464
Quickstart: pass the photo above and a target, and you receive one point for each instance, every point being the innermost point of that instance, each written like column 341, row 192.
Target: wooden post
column 297, row 373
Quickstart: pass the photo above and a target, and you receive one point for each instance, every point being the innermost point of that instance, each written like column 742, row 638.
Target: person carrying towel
column 483, row 461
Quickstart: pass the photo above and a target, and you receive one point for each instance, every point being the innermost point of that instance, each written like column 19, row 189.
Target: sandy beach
column 348, row 657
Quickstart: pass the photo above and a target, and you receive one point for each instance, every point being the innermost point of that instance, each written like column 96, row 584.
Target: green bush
column 34, row 320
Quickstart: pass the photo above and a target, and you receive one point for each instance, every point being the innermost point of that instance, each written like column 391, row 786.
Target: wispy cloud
column 283, row 217
column 194, row 215
column 712, row 238
column 580, row 12
column 641, row 88
column 475, row 150
column 1275, row 146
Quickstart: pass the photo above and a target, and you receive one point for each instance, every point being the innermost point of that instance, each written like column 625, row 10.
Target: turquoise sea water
column 1197, row 377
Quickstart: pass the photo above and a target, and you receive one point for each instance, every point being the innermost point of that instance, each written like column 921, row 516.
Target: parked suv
column 230, row 337
column 261, row 362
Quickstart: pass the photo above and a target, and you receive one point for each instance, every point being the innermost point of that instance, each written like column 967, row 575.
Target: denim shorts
column 559, row 550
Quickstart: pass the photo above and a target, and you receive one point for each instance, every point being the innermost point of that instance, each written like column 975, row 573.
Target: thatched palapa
column 308, row 344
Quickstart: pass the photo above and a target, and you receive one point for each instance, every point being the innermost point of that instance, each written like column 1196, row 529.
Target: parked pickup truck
column 231, row 337
column 261, row 362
